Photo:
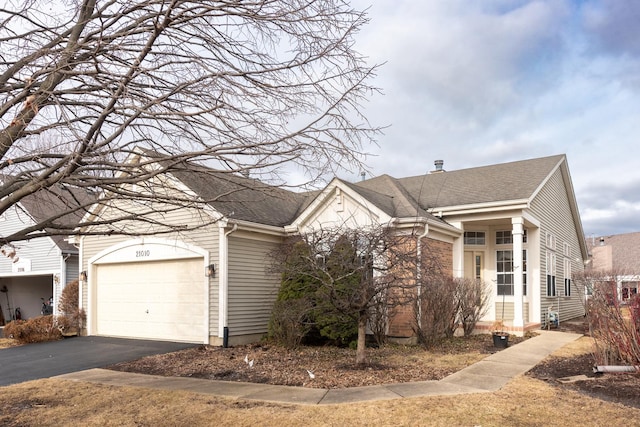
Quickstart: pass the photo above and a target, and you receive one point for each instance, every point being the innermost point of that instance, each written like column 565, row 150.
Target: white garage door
column 163, row 300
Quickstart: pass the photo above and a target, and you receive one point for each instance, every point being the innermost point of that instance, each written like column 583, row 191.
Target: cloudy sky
column 481, row 82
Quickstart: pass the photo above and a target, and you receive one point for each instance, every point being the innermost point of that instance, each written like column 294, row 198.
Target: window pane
column 474, row 238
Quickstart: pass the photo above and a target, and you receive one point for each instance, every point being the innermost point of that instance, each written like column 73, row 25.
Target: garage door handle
column 147, row 311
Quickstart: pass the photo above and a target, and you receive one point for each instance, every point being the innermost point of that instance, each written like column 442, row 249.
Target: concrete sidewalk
column 488, row 375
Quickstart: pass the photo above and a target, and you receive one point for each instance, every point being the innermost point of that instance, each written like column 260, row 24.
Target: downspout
column 419, row 271
column 223, row 286
column 81, row 284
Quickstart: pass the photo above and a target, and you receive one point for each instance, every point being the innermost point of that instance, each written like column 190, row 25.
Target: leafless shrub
column 473, row 302
column 436, row 309
column 72, row 316
column 36, row 329
column 289, row 321
column 614, row 326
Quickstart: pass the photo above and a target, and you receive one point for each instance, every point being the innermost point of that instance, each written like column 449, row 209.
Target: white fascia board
column 444, row 228
column 314, row 206
column 257, row 227
column 482, row 208
column 546, row 180
column 571, row 196
column 531, row 219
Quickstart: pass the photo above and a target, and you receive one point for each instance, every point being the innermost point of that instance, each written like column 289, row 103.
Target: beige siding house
column 38, row 268
column 208, row 282
column 515, row 226
column 519, row 230
column 618, row 254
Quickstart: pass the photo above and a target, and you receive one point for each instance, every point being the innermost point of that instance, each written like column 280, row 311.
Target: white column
column 518, row 312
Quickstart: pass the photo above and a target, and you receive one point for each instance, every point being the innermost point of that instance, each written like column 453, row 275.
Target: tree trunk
column 361, row 356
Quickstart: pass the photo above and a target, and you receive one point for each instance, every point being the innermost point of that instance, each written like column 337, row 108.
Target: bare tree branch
column 238, row 86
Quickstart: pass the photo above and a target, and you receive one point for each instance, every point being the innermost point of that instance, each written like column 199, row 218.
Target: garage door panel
column 154, row 300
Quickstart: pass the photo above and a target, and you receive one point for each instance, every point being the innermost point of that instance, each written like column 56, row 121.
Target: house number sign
column 143, row 253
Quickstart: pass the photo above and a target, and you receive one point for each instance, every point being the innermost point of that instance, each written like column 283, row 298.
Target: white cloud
column 476, row 83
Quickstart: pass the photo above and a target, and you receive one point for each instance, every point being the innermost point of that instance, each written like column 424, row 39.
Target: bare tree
column 614, row 325
column 238, row 86
column 350, row 270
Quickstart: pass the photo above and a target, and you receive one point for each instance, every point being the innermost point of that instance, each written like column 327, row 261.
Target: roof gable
column 344, row 204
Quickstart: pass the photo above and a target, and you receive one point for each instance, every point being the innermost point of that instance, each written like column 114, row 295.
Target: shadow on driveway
column 43, row 360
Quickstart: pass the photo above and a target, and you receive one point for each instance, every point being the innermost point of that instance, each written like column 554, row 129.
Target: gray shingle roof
column 252, row 200
column 73, row 202
column 390, row 196
column 502, row 182
column 242, row 198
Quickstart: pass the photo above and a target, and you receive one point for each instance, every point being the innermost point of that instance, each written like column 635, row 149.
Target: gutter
column 418, row 270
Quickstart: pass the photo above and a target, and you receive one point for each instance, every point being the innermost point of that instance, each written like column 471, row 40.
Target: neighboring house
column 620, row 255
column 38, row 269
column 514, row 225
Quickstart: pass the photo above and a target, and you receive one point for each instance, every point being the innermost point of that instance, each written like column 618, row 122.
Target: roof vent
column 439, row 164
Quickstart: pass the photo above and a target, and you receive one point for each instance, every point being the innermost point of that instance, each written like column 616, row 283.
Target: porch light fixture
column 83, row 275
column 210, row 271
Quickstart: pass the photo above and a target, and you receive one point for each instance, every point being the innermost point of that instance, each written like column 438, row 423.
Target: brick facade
column 436, row 255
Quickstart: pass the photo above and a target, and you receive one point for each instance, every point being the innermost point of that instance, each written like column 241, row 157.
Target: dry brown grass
column 8, row 342
column 580, row 346
column 523, row 402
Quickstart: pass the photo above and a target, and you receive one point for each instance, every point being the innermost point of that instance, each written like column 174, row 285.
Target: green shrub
column 36, row 329
column 305, row 307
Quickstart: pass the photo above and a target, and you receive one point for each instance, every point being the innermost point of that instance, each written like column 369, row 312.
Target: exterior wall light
column 83, row 275
column 211, row 270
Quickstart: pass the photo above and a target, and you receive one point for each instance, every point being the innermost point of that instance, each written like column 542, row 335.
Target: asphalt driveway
column 43, row 360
